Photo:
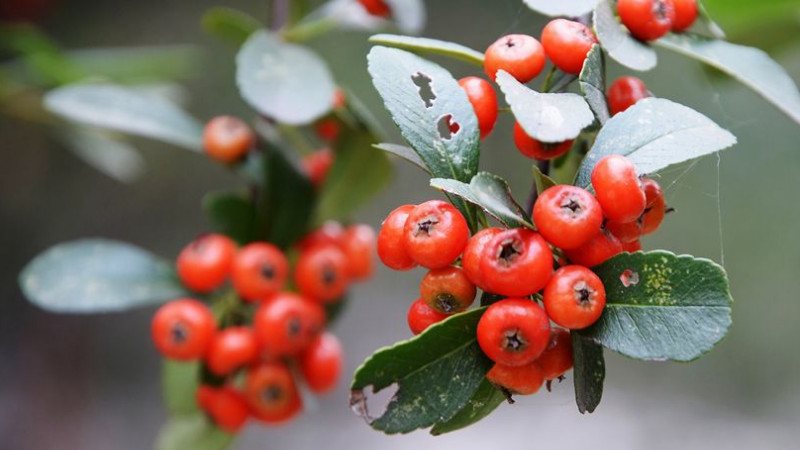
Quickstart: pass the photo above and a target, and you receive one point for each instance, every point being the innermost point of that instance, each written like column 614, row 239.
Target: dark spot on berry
column 509, row 251
column 660, row 9
column 426, row 225
column 510, row 42
column 271, row 394
column 293, row 327
column 328, row 275
column 267, row 271
column 514, row 341
column 179, row 333
column 447, row 302
column 571, row 204
column 583, row 293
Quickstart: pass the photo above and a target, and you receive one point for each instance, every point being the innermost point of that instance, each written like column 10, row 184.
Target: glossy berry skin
column 520, row 55
column 596, row 251
column 205, row 264
column 259, row 270
column 516, row 263
column 321, row 363
column 625, row 231
column 317, row 165
column 204, row 396
column 229, row 410
column 271, row 393
column 618, row 189
column 647, row 20
column 513, row 331
column 227, row 139
column 231, row 349
column 377, row 8
column 435, row 234
column 182, row 329
column 656, row 206
column 471, row 258
column 557, row 357
column 632, row 247
column 421, row 316
column 358, row 245
column 575, row 297
column 286, row 324
column 624, row 92
column 321, row 273
column 685, row 15
column 567, row 43
column 447, row 290
column 520, row 380
column 567, row 216
column 391, row 243
column 484, row 101
column 532, row 148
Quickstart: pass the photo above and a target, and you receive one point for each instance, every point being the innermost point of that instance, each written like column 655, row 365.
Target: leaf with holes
column 230, row 24
column 194, row 432
column 654, row 134
column 558, row 8
column 404, row 152
column 232, row 214
column 436, row 372
column 660, row 306
column 428, row 45
column 589, row 372
column 593, row 83
column 545, row 117
column 485, row 400
column 620, row 45
column 489, row 192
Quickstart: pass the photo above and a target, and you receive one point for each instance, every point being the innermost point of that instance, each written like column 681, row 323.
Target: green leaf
column 654, row 134
column 137, row 64
column 620, row 45
column 232, row 214
column 589, row 372
column 180, row 381
column 545, row 117
column 542, row 181
column 404, row 152
column 660, row 306
column 126, row 110
column 98, row 275
column 230, row 24
column 437, row 373
column 558, row 8
column 593, row 83
column 112, row 157
column 491, row 193
column 485, row 400
column 428, row 45
column 749, row 65
column 286, row 82
column 192, row 432
column 408, row 15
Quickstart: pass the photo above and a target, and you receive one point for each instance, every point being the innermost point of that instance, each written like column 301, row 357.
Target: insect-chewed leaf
column 654, row 134
column 194, row 432
column 428, row 45
column 230, row 24
column 593, row 81
column 557, row 8
column 485, row 400
column 589, row 372
column 619, row 44
column 491, row 193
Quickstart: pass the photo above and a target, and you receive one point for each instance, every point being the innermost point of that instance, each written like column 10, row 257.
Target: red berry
column 513, row 331
column 484, row 101
column 575, row 297
column 520, row 55
column 647, row 20
column 287, row 323
column 471, row 258
column 321, row 273
column 421, row 316
column 229, row 410
column 330, row 232
column 271, row 393
column 205, row 263
column 317, row 165
column 339, row 99
column 685, row 14
column 532, row 148
column 618, row 188
column 632, row 247
column 557, row 357
column 435, row 234
column 516, row 262
column 376, row 7
column 321, row 363
column 182, row 329
column 328, row 129
column 447, row 290
column 567, row 216
column 358, row 245
column 624, row 93
column 596, row 251
column 567, row 43
column 227, row 139
column 656, row 206
column 205, row 395
column 391, row 247
column 520, row 380
column 231, row 349
column 259, row 270
column 625, row 231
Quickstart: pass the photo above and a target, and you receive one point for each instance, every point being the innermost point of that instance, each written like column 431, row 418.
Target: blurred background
column 92, row 382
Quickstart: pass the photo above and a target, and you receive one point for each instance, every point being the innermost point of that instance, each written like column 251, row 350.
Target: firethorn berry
column 685, row 14
column 575, row 297
column 376, row 7
column 567, row 43
column 535, row 149
column 513, row 331
column 435, row 234
column 647, row 20
column 205, row 395
column 327, row 129
column 271, row 393
column 471, row 258
column 287, row 323
column 227, row 139
column 656, row 206
column 421, row 316
column 182, row 329
column 516, row 262
column 624, row 93
column 259, row 270
column 597, row 250
column 231, row 349
column 321, row 363
column 567, row 216
column 557, row 357
column 447, row 290
column 330, row 232
column 205, row 264
column 631, row 247
column 358, row 244
column 520, row 380
column 484, row 101
column 618, row 188
column 391, row 246
column 321, row 273
column 520, row 55
column 317, row 165
column 228, row 409
column 339, row 99
column 625, row 231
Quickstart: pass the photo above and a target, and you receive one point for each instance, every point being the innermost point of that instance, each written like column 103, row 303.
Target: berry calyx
column 321, row 273
column 259, row 270
column 567, row 216
column 535, row 149
column 358, row 244
column 520, row 380
column 516, row 263
column 567, row 43
column 647, row 20
column 231, row 349
column 520, row 55
column 321, row 363
column 317, row 165
column 271, row 393
column 227, row 139
column 287, row 323
column 421, row 316
column 471, row 258
column 618, row 189
column 391, row 247
column 685, row 15
column 182, row 329
column 206, row 262
column 447, row 290
column 596, row 251
column 575, row 297
column 557, row 357
column 624, row 92
column 484, row 102
column 656, row 206
column 435, row 234
column 513, row 331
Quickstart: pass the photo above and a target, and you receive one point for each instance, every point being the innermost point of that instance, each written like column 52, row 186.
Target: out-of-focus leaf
column 112, row 157
column 230, row 24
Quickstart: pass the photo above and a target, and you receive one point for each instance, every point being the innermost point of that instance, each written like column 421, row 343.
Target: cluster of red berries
column 648, row 20
column 576, row 231
column 265, row 332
